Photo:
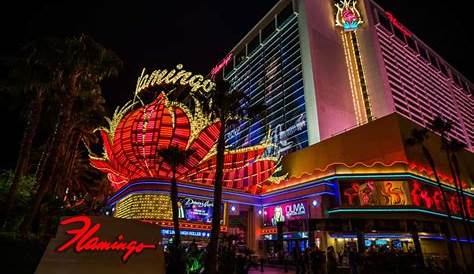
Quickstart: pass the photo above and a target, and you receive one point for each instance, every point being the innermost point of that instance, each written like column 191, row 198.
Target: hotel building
column 319, row 80
column 345, row 84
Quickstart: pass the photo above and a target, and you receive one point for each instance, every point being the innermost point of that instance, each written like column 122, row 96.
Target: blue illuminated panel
column 272, row 75
column 194, row 233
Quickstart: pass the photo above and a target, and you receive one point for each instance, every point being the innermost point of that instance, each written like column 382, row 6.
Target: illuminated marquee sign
column 397, row 24
column 347, row 15
column 284, row 213
column 177, row 76
column 85, row 239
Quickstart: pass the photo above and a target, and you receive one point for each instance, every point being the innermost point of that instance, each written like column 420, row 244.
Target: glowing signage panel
column 347, row 15
column 85, row 239
column 100, row 244
column 196, row 210
column 284, row 213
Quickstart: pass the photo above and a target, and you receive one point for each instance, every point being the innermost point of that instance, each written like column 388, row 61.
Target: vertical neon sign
column 347, row 15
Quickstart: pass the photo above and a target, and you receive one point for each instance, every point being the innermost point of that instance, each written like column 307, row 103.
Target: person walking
column 331, row 260
column 353, row 260
column 316, row 261
column 298, row 259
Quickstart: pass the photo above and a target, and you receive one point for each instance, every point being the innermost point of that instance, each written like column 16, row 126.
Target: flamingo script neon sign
column 397, row 24
column 85, row 240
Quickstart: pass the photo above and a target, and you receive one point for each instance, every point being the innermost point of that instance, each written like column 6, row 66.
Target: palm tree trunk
column 467, row 221
column 452, row 256
column 32, row 122
column 45, row 183
column 211, row 264
column 457, row 182
column 174, row 208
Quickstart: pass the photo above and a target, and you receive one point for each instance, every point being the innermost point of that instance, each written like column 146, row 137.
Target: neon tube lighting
column 375, row 210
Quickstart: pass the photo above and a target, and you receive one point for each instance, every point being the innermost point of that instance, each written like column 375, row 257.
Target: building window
column 444, row 69
column 240, row 56
column 253, row 45
column 284, row 15
column 268, row 30
column 384, row 22
column 423, row 54
column 411, row 43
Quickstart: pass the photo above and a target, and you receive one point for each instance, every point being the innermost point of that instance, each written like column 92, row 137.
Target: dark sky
column 156, row 34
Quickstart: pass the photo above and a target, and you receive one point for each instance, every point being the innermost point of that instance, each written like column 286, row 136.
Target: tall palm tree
column 83, row 64
column 35, row 75
column 229, row 106
column 444, row 127
column 418, row 138
column 174, row 157
column 453, row 147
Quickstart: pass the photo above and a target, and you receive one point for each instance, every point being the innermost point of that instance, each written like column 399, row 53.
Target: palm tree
column 34, row 74
column 228, row 105
column 418, row 138
column 452, row 147
column 443, row 127
column 174, row 157
column 83, row 64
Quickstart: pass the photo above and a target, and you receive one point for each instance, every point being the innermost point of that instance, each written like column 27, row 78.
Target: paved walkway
column 270, row 270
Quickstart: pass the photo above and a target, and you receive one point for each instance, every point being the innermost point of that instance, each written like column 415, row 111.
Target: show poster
column 284, row 213
column 195, row 210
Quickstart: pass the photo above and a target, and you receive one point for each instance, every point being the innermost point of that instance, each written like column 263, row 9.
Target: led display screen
column 196, row 210
column 284, row 213
column 272, row 76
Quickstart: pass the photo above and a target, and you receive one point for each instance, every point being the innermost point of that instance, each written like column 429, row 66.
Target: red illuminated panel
column 85, row 240
column 139, row 136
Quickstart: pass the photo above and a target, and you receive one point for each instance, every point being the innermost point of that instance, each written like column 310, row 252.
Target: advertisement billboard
column 284, row 213
column 196, row 210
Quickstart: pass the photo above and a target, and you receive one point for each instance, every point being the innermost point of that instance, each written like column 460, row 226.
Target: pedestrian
column 316, row 261
column 298, row 259
column 331, row 260
column 353, row 260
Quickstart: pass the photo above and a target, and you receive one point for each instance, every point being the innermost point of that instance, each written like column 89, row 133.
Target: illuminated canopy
column 134, row 137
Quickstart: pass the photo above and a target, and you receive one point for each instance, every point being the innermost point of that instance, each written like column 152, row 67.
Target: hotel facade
column 345, row 84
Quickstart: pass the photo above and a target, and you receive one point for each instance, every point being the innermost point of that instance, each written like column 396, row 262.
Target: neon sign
column 85, row 240
column 347, row 15
column 177, row 76
column 221, row 65
column 397, row 24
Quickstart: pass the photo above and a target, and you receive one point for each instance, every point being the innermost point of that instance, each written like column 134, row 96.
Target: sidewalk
column 270, row 270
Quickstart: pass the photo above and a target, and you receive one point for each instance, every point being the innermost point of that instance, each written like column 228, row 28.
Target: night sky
column 160, row 34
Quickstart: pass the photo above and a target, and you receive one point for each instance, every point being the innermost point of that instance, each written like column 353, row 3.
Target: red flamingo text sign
column 84, row 239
